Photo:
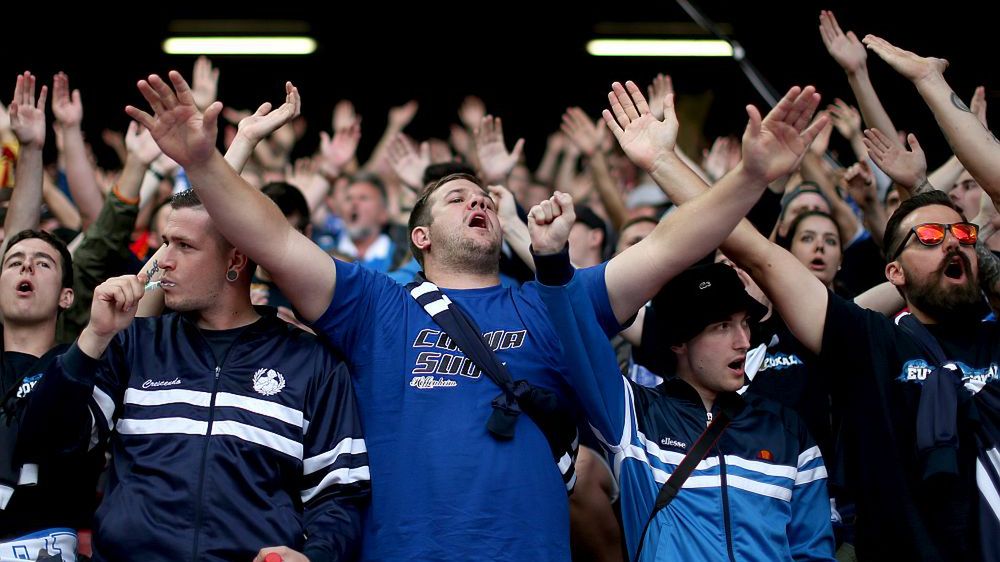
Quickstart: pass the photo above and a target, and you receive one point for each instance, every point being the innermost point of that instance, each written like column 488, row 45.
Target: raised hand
column 344, row 116
column 336, row 152
column 66, row 105
column 204, row 83
column 401, row 116
column 722, row 157
column 641, row 135
column 461, row 140
column 658, row 90
column 846, row 118
column 506, row 206
column 906, row 167
column 822, row 140
column 849, row 53
column 581, row 131
column 4, row 119
column 911, row 65
column 139, row 143
column 549, row 223
column 182, row 131
column 494, row 160
column 302, row 173
column 861, row 184
column 774, row 146
column 471, row 112
column 27, row 115
column 409, row 163
column 978, row 105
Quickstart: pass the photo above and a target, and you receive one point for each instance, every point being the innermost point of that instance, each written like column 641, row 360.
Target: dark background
column 526, row 60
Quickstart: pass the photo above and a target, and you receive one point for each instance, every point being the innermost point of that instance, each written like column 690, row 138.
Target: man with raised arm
column 452, row 483
column 922, row 423
column 760, row 492
column 233, row 432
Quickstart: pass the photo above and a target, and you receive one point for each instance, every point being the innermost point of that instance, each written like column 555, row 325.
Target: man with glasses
column 918, row 394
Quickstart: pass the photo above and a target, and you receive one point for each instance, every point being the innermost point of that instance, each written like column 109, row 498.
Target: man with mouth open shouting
column 453, row 481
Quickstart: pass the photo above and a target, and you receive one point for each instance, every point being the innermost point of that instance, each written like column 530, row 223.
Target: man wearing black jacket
column 232, row 433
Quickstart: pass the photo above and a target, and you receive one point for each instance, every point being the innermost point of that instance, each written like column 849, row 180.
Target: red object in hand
column 273, row 557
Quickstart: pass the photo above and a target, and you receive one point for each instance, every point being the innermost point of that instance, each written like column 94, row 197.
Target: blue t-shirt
column 443, row 487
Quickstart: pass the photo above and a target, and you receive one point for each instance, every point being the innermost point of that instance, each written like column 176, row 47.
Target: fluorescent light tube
column 239, row 46
column 659, row 48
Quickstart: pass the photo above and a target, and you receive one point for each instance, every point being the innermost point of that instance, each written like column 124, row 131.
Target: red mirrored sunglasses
column 933, row 233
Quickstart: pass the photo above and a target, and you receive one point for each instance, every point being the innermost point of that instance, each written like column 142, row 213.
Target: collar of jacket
column 676, row 388
column 267, row 322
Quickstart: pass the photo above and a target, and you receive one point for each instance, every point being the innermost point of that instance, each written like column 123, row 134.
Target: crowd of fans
column 759, row 352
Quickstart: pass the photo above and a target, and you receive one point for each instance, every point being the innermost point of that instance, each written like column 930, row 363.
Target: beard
column 472, row 255
column 958, row 303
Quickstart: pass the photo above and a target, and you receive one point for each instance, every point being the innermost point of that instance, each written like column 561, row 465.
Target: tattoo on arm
column 957, row 102
column 923, row 186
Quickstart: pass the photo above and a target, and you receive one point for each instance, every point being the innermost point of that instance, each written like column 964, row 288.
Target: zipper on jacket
column 204, row 461
column 725, row 505
column 208, row 436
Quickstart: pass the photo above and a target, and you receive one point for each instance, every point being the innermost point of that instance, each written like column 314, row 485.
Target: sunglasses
column 933, row 233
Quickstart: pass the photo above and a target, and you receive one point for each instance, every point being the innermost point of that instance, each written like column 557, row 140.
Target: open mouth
column 817, row 263
column 25, row 287
column 478, row 220
column 164, row 283
column 736, row 365
column 955, row 268
column 353, row 217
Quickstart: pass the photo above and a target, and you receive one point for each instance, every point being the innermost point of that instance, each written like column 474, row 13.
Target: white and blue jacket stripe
column 760, row 494
column 211, row 460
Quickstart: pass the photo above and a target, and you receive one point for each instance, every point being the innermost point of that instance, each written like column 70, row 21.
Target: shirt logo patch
column 435, row 369
column 155, row 384
column 672, row 443
column 917, row 370
column 765, row 455
column 27, row 385
column 268, row 382
column 779, row 361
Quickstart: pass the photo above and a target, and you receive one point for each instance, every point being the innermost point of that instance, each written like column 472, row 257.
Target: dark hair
column 638, row 220
column 892, row 235
column 421, row 213
column 434, row 172
column 64, row 256
column 186, row 199
column 372, row 179
column 290, row 200
column 786, row 241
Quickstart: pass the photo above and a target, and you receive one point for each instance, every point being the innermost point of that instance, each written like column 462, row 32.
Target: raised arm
column 588, row 137
column 847, row 121
column 408, row 162
column 515, row 232
column 970, row 140
column 850, row 54
column 772, row 147
column 650, row 145
column 399, row 118
column 27, row 120
column 243, row 215
column 495, row 162
column 908, row 168
column 860, row 184
column 68, row 110
column 258, row 126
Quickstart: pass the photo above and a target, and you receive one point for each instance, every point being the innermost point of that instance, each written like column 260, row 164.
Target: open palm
column 182, row 131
